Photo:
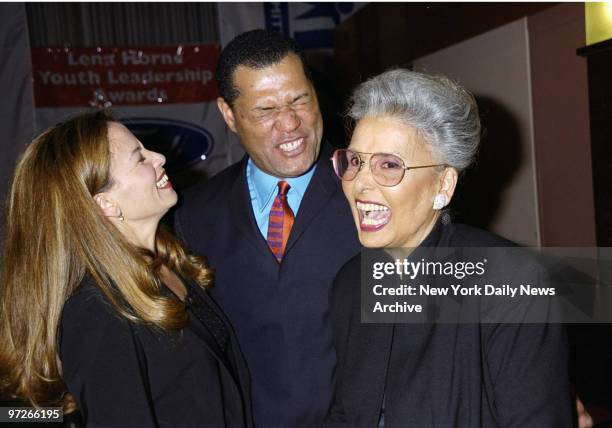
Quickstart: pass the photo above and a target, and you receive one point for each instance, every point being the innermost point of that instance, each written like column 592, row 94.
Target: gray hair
column 444, row 113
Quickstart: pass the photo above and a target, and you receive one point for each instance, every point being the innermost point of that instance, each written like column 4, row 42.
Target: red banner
column 106, row 76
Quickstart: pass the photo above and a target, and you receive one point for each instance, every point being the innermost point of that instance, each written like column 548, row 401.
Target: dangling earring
column 439, row 201
column 120, row 216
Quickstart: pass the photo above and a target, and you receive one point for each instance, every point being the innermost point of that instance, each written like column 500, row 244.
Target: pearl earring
column 439, row 201
column 120, row 216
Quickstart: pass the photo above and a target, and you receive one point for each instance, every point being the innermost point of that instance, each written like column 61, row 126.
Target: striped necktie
column 281, row 221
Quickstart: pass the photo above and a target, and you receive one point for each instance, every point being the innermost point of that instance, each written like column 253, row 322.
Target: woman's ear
column 107, row 205
column 448, row 183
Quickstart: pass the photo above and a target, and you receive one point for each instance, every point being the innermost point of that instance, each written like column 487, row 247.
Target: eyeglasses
column 388, row 170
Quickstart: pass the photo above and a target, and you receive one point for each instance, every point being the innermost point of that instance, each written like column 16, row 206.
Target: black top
column 201, row 310
column 128, row 375
column 204, row 313
column 442, row 375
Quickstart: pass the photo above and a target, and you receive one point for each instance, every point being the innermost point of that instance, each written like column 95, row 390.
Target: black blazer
column 127, row 375
column 280, row 312
column 445, row 375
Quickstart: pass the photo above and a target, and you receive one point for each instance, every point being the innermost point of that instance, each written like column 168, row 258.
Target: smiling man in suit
column 275, row 227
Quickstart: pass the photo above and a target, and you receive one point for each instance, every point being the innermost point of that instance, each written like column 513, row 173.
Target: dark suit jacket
column 279, row 312
column 445, row 375
column 127, row 375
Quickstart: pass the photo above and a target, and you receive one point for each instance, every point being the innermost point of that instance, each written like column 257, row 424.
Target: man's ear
column 107, row 205
column 227, row 113
column 448, row 182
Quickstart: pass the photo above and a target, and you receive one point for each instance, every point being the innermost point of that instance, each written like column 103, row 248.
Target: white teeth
column 373, row 222
column 162, row 181
column 287, row 147
column 371, row 207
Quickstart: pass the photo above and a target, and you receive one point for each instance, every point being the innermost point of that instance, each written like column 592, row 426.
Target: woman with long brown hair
column 101, row 308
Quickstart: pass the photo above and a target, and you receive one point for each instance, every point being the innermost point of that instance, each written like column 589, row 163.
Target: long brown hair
column 55, row 234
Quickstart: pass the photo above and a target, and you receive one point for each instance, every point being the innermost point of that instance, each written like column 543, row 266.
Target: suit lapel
column 322, row 187
column 242, row 212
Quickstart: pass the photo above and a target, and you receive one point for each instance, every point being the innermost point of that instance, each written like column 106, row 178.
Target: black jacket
column 445, row 375
column 127, row 375
column 280, row 311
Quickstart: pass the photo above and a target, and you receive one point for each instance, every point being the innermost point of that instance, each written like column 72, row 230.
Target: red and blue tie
column 281, row 221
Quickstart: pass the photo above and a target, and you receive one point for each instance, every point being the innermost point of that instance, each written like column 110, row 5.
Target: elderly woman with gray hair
column 414, row 135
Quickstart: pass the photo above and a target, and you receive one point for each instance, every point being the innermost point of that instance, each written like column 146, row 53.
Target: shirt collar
column 265, row 185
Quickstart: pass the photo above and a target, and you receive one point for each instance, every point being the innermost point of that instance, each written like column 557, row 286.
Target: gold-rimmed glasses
column 387, row 169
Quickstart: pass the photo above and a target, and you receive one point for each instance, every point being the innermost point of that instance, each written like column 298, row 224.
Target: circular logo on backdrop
column 182, row 143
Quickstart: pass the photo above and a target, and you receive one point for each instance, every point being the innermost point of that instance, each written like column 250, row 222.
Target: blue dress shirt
column 263, row 188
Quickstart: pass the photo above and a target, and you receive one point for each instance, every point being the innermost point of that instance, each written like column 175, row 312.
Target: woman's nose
column 364, row 179
column 157, row 159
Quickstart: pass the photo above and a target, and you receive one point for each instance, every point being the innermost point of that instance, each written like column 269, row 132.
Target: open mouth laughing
column 372, row 215
column 293, row 147
column 163, row 182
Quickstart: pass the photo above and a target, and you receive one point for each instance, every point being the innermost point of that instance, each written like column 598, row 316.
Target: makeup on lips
column 163, row 182
column 372, row 215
